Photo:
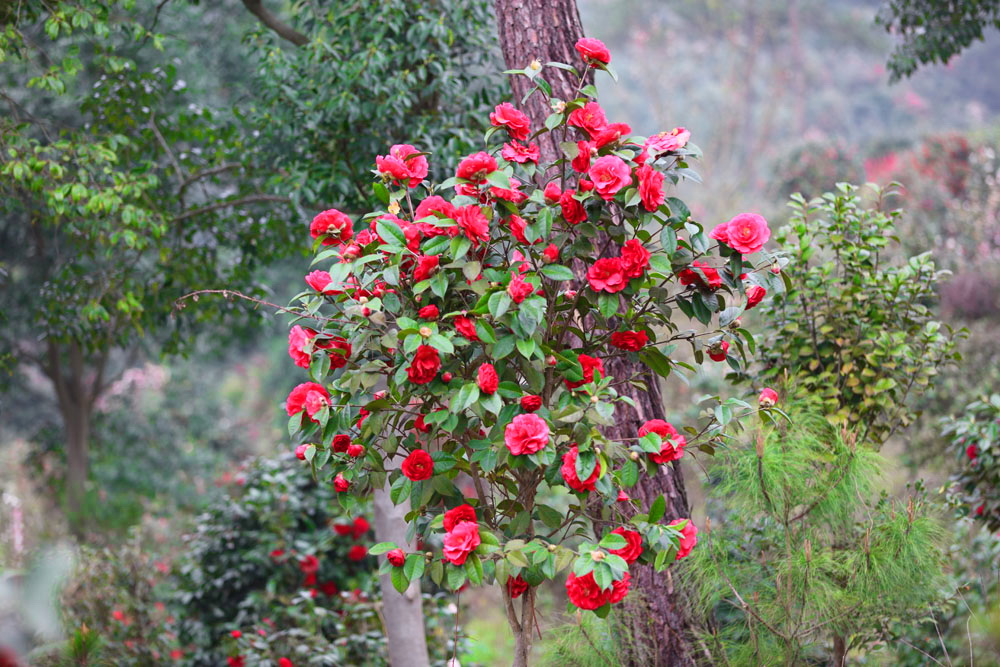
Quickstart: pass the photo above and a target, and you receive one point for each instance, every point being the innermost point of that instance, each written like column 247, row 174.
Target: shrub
column 854, row 327
column 974, row 440
column 250, row 568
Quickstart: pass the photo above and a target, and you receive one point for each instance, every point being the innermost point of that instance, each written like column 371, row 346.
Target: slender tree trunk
column 547, row 30
column 404, row 615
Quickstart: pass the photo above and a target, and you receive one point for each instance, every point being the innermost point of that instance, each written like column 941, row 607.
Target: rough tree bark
column 547, row 30
column 404, row 616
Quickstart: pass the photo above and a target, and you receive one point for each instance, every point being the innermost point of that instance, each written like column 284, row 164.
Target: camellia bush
column 468, row 336
column 974, row 436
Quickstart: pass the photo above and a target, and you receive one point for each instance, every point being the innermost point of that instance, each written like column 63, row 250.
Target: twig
column 228, row 293
column 208, row 172
column 250, row 199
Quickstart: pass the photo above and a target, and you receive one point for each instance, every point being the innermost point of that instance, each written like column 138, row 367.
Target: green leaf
column 658, row 509
column 499, row 303
column 414, row 566
column 557, row 272
column 399, row 580
column 381, row 548
column 612, row 541
column 390, row 232
column 456, row 577
column 607, row 304
column 440, row 343
column 464, row 397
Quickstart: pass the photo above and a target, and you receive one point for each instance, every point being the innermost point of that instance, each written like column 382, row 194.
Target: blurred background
column 180, row 410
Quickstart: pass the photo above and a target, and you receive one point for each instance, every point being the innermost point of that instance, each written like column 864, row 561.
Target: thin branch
column 250, row 199
column 283, row 30
column 166, row 148
column 228, row 293
column 208, row 172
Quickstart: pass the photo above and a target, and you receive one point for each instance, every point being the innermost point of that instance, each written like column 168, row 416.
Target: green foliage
column 974, row 440
column 934, row 31
column 805, row 551
column 231, row 577
column 370, row 77
column 854, row 328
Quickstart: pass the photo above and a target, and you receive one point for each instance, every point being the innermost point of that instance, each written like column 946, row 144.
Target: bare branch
column 283, row 30
column 208, row 172
column 250, row 199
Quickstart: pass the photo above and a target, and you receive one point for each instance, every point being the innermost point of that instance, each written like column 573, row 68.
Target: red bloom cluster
column 673, row 442
column 586, row 594
column 568, row 471
column 612, row 274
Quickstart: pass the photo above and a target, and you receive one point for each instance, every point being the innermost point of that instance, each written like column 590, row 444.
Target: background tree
column 934, row 31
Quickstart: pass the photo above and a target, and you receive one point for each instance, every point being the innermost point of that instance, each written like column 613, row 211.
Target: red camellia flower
column 690, row 277
column 768, row 398
column 619, row 589
column 428, row 312
column 631, row 341
column 336, row 226
column 663, row 142
column 476, row 167
column 526, row 434
column 318, row 280
column 461, row 541
column 299, row 337
column 650, row 187
column 581, row 163
column 340, row 443
column 426, row 267
column 633, row 549
column 236, row 661
column 473, row 224
column 610, row 174
column 457, row 515
column 466, row 327
column 607, row 275
column 516, row 586
column 357, row 553
column 343, row 529
column 612, row 133
column 421, row 425
column 512, row 194
column 590, row 118
column 589, row 365
column 622, row 496
column 572, row 210
column 689, row 537
column 585, row 593
column 551, row 253
column 635, row 258
column 340, row 484
column 396, row 557
column 718, row 351
column 328, row 588
column 517, row 228
column 673, row 444
column 300, row 452
column 418, row 465
column 516, row 122
column 530, row 402
column 425, row 365
column 515, row 152
column 309, row 564
column 518, row 288
column 403, row 165
column 487, row 379
column 285, row 662
column 308, row 396
column 593, row 51
column 746, row 233
column 755, row 294
column 434, row 206
column 360, row 527
column 972, row 452
column 552, row 193
column 568, row 470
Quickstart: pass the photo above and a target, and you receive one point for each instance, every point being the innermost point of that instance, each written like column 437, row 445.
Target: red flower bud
column 354, row 451
column 396, row 557
column 446, row 377
column 340, row 484
column 530, row 403
column 300, row 452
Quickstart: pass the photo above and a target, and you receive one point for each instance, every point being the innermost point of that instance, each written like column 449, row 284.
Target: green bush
column 854, row 327
column 244, row 571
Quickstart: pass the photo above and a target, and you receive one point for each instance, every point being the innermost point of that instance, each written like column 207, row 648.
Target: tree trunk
column 547, row 30
column 404, row 615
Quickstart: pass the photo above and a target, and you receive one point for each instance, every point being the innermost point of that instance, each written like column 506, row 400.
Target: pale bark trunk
column 404, row 615
column 547, row 30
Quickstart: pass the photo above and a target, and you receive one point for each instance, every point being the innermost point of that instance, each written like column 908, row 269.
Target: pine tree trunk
column 547, row 30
